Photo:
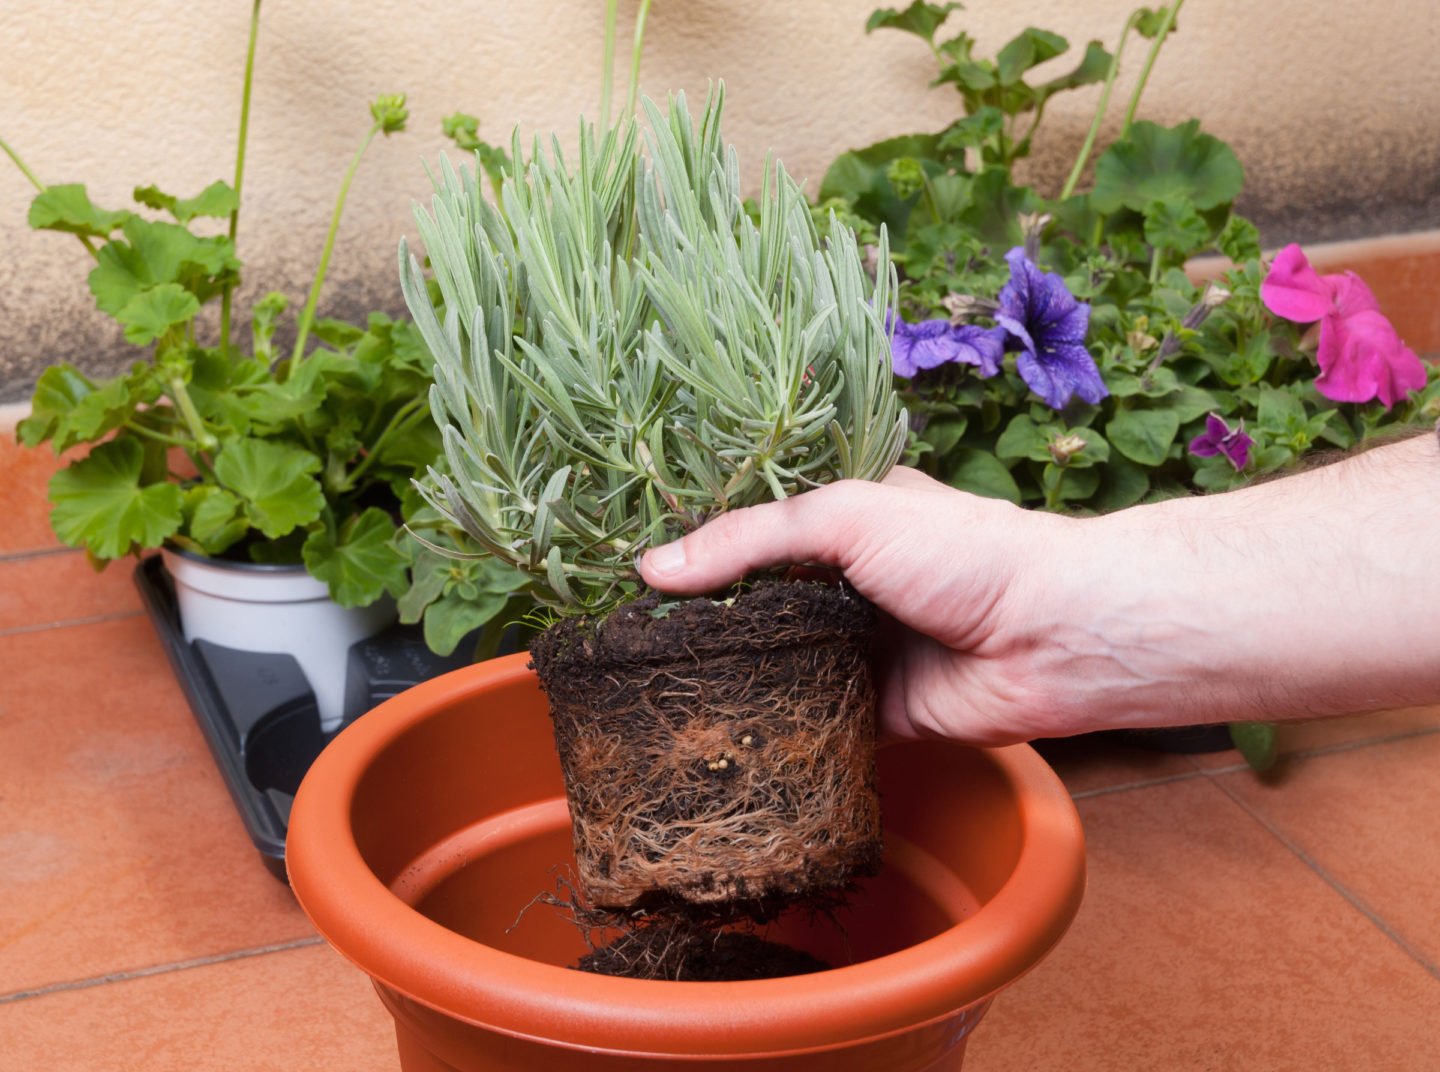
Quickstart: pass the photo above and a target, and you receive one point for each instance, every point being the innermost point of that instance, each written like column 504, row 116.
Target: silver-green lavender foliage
column 623, row 352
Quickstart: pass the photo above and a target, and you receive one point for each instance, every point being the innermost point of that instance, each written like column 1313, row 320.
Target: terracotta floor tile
column 62, row 587
column 1204, row 944
column 1404, row 286
column 1092, row 762
column 300, row 1009
column 24, row 474
column 119, row 846
column 1321, row 733
column 1370, row 817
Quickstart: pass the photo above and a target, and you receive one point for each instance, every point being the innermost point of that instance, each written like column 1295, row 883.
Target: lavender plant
column 623, row 352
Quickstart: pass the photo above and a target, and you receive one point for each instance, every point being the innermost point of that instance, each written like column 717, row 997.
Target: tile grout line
column 1329, row 749
column 118, row 615
column 159, row 969
column 39, row 552
column 1356, row 902
column 1125, row 787
column 1232, row 768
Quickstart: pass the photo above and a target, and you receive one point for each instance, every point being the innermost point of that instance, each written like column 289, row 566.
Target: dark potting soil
column 766, row 615
column 726, row 957
column 722, row 752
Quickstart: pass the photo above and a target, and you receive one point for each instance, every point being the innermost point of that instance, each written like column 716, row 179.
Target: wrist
column 1308, row 596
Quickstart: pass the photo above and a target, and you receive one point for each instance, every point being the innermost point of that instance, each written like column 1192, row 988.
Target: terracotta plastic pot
column 425, row 829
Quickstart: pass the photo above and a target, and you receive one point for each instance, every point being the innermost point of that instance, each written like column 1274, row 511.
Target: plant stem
column 1024, row 142
column 35, row 182
column 635, row 57
column 1155, row 46
column 240, row 167
column 1166, row 350
column 607, row 73
column 930, row 199
column 1094, row 132
column 24, row 170
column 308, row 315
column 151, row 433
column 204, row 439
column 405, row 411
column 1053, row 501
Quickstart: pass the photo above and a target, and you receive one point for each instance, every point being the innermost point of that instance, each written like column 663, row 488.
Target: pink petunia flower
column 1361, row 357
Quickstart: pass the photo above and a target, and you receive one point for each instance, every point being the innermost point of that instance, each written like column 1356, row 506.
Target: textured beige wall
column 1334, row 108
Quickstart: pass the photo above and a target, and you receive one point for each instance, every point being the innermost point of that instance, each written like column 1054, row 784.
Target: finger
column 904, row 477
column 813, row 527
column 888, row 667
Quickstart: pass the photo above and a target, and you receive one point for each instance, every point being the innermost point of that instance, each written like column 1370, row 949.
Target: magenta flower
column 1047, row 325
column 1361, row 357
column 1220, row 438
column 932, row 343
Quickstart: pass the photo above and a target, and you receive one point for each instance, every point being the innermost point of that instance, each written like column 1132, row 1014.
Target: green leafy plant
column 1130, row 379
column 237, row 449
column 623, row 352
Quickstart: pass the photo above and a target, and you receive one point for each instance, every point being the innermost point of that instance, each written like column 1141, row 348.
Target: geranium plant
column 1053, row 349
column 235, row 448
column 621, row 353
column 222, row 448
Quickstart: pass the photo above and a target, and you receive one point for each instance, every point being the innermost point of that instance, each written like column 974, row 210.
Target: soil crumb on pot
column 718, row 752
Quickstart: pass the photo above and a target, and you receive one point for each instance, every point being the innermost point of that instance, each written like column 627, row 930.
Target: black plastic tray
column 257, row 711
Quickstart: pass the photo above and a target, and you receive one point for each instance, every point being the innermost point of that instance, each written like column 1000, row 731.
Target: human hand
column 1314, row 595
column 952, row 573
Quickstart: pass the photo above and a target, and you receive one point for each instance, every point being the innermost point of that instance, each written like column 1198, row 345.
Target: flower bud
column 962, row 307
column 1212, row 299
column 906, row 176
column 1064, row 447
column 390, row 113
column 1032, row 226
column 1138, row 338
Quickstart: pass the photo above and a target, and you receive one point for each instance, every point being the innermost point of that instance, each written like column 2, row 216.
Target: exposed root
column 689, row 945
column 722, row 754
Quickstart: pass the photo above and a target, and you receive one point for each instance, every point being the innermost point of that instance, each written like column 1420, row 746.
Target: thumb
column 818, row 526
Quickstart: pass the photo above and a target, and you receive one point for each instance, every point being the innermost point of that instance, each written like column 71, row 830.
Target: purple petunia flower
column 1220, row 438
column 1046, row 324
column 932, row 343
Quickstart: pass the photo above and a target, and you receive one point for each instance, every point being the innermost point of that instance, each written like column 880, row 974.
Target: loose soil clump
column 718, row 755
column 699, row 957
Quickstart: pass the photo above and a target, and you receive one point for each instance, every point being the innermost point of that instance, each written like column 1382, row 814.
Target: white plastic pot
column 278, row 609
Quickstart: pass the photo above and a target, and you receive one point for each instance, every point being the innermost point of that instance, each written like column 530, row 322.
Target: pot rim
column 272, row 568
column 403, row 950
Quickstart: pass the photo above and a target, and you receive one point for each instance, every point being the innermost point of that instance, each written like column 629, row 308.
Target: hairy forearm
column 1318, row 594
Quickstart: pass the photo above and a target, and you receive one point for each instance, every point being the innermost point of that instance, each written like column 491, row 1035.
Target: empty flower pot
column 423, row 832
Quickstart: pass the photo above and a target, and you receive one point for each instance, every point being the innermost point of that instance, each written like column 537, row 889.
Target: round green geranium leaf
column 100, row 503
column 274, row 483
column 151, row 313
column 1175, row 226
column 68, row 208
column 1156, row 163
column 215, row 519
column 362, row 564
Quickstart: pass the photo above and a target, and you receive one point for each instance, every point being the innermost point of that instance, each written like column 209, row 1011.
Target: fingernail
column 667, row 559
